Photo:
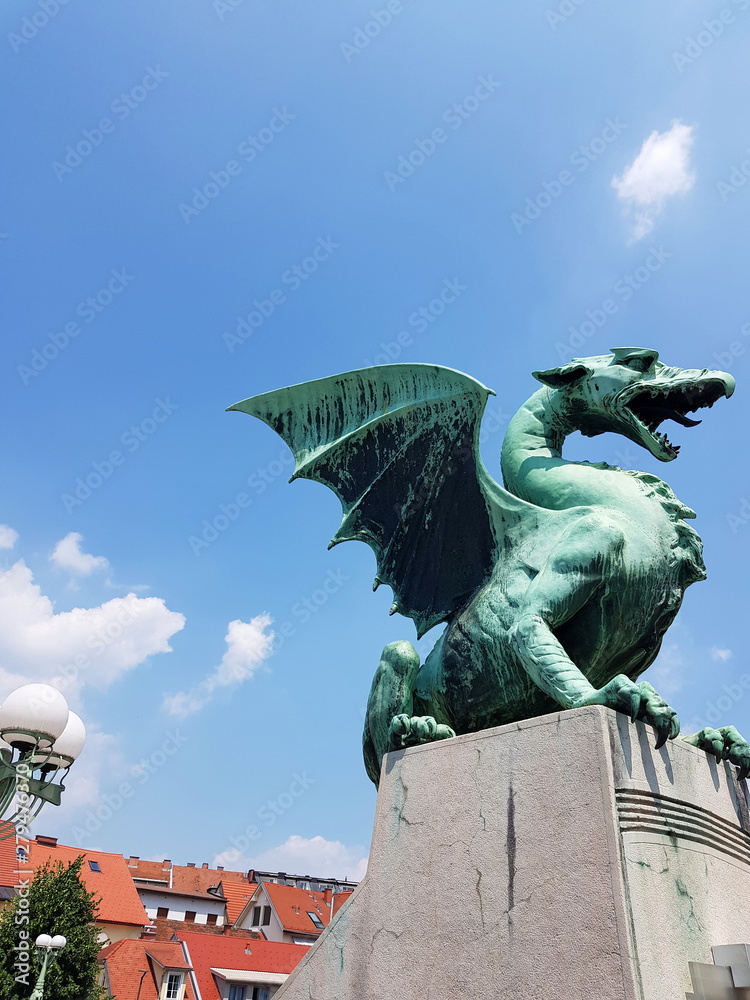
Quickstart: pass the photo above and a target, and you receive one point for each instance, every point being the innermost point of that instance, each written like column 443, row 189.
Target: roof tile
column 120, row 903
column 209, row 951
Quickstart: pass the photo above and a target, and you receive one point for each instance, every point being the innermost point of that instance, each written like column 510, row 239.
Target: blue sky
column 204, row 201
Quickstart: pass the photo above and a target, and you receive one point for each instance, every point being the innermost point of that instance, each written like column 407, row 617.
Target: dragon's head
column 631, row 392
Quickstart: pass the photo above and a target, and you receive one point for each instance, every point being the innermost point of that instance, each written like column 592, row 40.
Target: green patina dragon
column 556, row 590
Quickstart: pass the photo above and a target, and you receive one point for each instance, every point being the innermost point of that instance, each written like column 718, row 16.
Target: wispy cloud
column 719, row 655
column 8, row 537
column 668, row 671
column 67, row 555
column 248, row 645
column 661, row 169
column 303, row 856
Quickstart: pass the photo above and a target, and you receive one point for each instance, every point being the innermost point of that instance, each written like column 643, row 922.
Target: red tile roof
column 185, row 878
column 151, row 870
column 209, row 951
column 166, row 955
column 339, row 899
column 237, row 895
column 8, row 876
column 133, row 967
column 120, row 903
column 292, row 905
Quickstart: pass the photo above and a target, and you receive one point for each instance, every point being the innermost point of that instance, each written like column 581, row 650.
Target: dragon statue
column 557, row 589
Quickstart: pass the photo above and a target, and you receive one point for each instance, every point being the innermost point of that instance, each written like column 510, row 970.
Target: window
column 211, row 918
column 260, row 993
column 95, row 866
column 255, row 922
column 174, row 986
column 190, row 915
column 162, row 911
column 237, row 993
column 315, row 919
column 266, row 916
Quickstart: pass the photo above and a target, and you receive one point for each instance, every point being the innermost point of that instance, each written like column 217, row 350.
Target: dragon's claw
column 724, row 743
column 641, row 702
column 413, row 730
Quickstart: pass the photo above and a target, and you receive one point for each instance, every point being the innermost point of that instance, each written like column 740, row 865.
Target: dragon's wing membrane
column 398, row 444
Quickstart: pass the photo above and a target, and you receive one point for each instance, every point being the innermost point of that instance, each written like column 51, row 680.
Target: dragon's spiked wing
column 399, row 445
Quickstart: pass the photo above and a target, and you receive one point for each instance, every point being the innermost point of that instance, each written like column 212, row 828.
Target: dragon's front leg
column 571, row 577
column 725, row 744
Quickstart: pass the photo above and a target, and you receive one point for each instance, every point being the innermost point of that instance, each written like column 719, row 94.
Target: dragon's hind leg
column 725, row 744
column 389, row 724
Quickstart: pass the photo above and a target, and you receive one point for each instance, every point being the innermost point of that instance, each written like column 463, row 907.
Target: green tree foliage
column 58, row 903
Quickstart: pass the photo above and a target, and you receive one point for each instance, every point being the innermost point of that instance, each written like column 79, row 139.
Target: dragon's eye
column 638, row 362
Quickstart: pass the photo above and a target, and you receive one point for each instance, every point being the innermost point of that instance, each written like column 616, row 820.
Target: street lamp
column 39, row 740
column 47, row 952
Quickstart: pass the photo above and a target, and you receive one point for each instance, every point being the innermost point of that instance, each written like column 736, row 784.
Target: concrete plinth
column 558, row 858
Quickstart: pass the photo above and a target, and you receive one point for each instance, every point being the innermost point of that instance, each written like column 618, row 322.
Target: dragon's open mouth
column 652, row 405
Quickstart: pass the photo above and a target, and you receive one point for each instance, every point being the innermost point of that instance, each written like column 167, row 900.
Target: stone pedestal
column 557, row 858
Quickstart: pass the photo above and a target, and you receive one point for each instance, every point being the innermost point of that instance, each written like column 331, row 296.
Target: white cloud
column 720, row 655
column 8, row 537
column 67, row 555
column 667, row 673
column 92, row 645
column 303, row 856
column 248, row 645
column 660, row 170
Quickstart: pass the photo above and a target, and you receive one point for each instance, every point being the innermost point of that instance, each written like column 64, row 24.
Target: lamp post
column 47, row 951
column 39, row 741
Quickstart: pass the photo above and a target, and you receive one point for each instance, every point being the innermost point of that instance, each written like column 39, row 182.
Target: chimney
column 46, row 841
column 220, row 868
column 190, row 864
column 205, row 864
column 328, row 896
column 166, row 864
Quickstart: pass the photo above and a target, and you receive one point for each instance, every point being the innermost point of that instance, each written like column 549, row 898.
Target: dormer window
column 173, row 986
